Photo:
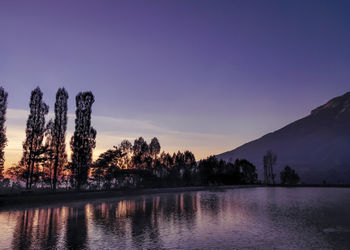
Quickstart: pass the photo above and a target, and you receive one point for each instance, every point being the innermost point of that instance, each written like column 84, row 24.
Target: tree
column 289, row 176
column 207, row 169
column 140, row 146
column 141, row 158
column 126, row 148
column 269, row 161
column 107, row 165
column 3, row 139
column 83, row 140
column 190, row 162
column 233, row 173
column 154, row 148
column 177, row 170
column 17, row 172
column 166, row 159
column 179, row 159
column 58, row 143
column 247, row 171
column 35, row 129
column 189, row 159
column 47, row 172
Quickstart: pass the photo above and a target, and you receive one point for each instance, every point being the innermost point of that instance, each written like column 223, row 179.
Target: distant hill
column 317, row 146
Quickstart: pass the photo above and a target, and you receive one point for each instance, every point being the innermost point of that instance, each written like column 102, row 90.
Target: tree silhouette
column 3, row 139
column 58, row 143
column 269, row 161
column 248, row 171
column 141, row 158
column 214, row 171
column 107, row 165
column 207, row 168
column 166, row 160
column 154, row 148
column 289, row 176
column 47, row 164
column 141, row 165
column 32, row 146
column 190, row 162
column 83, row 140
column 127, row 151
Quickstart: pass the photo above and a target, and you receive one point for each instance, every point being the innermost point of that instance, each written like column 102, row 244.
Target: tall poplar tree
column 3, row 139
column 32, row 146
column 48, row 162
column 83, row 140
column 269, row 161
column 58, row 141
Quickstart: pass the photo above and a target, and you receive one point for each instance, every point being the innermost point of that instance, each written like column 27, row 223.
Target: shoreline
column 18, row 200
column 33, row 199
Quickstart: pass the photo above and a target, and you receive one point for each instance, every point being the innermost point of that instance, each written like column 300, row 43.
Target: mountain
column 316, row 146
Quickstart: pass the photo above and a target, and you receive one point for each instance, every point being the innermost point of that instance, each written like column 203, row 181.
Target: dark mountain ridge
column 317, row 146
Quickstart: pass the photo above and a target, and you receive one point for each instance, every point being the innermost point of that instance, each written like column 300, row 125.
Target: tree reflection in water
column 139, row 220
column 240, row 218
column 37, row 229
column 23, row 234
column 143, row 218
column 76, row 228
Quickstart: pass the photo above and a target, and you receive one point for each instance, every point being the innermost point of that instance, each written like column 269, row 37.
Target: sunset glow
column 194, row 83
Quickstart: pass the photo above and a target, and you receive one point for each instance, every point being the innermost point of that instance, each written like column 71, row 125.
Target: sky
column 203, row 75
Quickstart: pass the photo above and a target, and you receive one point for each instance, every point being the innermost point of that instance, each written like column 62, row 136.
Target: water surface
column 248, row 218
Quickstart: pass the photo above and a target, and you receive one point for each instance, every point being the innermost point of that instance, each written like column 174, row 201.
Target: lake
column 245, row 218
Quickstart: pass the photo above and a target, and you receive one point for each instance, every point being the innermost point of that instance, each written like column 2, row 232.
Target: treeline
column 141, row 164
column 44, row 162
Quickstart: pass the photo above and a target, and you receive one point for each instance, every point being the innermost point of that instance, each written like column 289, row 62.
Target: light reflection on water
column 252, row 218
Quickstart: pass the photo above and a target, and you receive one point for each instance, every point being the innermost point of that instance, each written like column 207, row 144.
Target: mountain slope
column 317, row 146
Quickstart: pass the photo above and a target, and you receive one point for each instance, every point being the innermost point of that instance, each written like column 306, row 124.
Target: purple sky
column 200, row 75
